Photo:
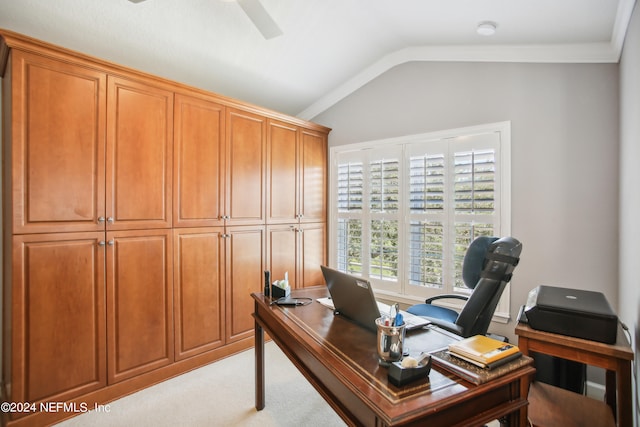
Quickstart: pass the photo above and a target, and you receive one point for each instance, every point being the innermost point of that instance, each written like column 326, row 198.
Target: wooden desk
column 615, row 358
column 339, row 359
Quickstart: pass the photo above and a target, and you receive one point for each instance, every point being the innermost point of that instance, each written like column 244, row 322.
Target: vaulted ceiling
column 328, row 48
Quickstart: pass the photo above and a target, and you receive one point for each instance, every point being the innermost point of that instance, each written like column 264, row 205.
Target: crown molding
column 605, row 52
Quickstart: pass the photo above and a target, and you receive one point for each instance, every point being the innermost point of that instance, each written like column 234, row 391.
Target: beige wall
column 629, row 292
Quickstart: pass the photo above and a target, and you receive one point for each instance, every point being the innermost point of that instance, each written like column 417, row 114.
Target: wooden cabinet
column 299, row 250
column 199, row 294
column 297, row 159
column 313, row 176
column 57, row 148
column 139, row 302
column 283, row 189
column 283, row 252
column 297, row 180
column 217, row 269
column 136, row 223
column 245, row 265
column 139, row 155
column 89, row 153
column 199, row 164
column 72, row 172
column 58, row 324
column 245, row 167
column 313, row 254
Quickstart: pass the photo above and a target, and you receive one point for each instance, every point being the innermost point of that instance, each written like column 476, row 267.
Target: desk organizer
column 400, row 376
column 277, row 292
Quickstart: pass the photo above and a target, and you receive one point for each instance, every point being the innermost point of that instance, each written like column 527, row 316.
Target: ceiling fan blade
column 261, row 18
column 136, row 1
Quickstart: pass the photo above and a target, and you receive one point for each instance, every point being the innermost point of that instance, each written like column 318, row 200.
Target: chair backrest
column 475, row 259
column 501, row 258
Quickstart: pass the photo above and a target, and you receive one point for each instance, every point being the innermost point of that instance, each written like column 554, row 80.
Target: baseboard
column 595, row 390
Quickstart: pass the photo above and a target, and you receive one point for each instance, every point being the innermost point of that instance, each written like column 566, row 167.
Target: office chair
column 487, row 268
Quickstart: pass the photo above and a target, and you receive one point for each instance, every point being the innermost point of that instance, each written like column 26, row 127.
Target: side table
column 615, row 358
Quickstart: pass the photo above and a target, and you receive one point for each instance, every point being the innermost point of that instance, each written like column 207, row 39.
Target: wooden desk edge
column 620, row 350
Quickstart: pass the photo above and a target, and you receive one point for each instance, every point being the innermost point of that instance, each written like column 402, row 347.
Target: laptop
column 352, row 297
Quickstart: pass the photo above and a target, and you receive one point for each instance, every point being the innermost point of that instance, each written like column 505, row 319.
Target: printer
column 572, row 312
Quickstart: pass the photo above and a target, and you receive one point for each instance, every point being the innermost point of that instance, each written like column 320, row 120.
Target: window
column 404, row 210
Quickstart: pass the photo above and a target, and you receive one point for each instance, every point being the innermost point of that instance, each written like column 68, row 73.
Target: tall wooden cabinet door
column 245, row 168
column 313, row 254
column 313, row 176
column 198, row 162
column 198, row 290
column 139, row 302
column 282, row 184
column 139, row 155
column 245, row 259
column 57, row 145
column 58, row 316
column 282, row 252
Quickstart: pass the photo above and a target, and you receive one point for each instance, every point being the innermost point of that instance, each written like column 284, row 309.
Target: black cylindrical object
column 267, row 283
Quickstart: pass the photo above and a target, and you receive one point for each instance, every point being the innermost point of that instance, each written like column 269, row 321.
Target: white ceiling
column 329, row 47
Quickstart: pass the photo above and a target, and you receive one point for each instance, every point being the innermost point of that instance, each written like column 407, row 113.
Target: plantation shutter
column 405, row 210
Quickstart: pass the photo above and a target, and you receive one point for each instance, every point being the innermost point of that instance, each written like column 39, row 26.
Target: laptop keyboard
column 411, row 320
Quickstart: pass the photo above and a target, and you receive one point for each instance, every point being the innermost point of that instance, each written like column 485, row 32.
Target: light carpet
column 221, row 394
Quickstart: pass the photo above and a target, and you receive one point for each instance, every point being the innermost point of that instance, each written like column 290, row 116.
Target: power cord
column 292, row 301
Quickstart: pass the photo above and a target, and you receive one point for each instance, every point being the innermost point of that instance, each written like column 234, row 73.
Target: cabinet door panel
column 58, row 145
column 245, row 168
column 199, row 292
column 139, row 155
column 139, row 302
column 283, row 173
column 198, row 163
column 59, row 341
column 282, row 253
column 314, row 254
column 314, row 176
column 245, row 271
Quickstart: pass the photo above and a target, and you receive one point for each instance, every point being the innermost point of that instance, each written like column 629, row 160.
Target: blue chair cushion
column 430, row 310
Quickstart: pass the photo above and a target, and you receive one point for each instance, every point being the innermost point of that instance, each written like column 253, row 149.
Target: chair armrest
column 446, row 296
column 447, row 326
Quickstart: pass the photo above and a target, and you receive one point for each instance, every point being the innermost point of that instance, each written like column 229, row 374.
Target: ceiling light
column 487, row 28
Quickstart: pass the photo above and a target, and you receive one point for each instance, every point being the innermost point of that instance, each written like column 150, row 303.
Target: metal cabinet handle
column 100, row 219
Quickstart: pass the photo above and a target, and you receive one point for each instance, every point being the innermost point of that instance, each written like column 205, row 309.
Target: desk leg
column 259, row 354
column 611, row 392
column 624, row 402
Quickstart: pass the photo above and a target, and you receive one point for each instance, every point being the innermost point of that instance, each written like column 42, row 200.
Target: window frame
column 364, row 150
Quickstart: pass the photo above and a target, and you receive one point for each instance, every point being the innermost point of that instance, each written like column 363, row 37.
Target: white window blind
column 350, row 189
column 404, row 210
column 384, row 191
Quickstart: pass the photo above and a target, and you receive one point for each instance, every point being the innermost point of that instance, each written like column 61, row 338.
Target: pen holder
column 390, row 341
column 277, row 292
